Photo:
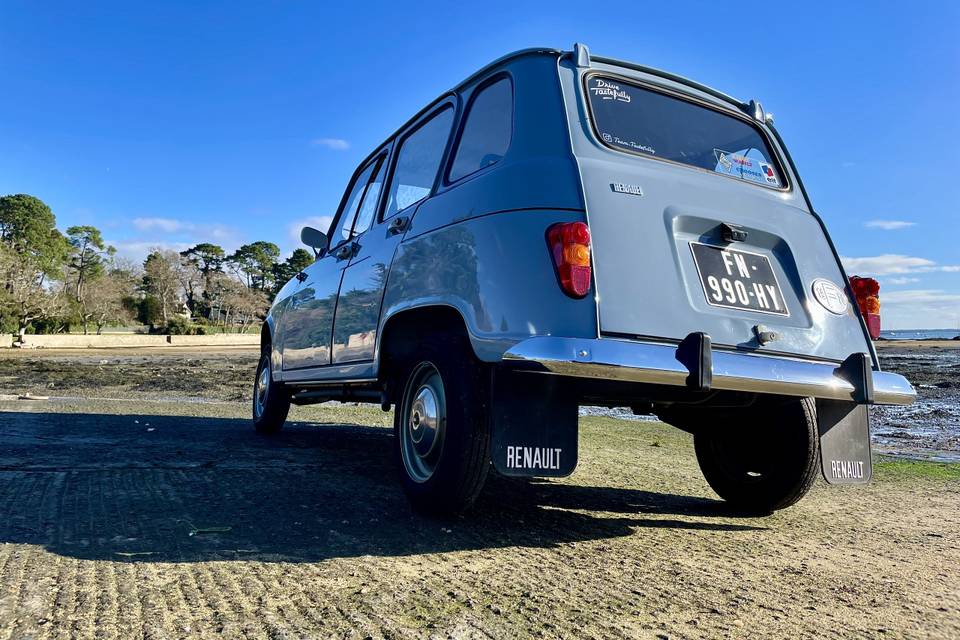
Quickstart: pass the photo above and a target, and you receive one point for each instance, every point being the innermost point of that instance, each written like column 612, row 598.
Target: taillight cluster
column 570, row 245
column 867, row 292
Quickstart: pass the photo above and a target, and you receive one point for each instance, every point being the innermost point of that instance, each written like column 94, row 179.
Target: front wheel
column 441, row 426
column 767, row 460
column 270, row 400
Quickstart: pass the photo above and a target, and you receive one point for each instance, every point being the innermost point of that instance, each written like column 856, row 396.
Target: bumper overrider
column 694, row 364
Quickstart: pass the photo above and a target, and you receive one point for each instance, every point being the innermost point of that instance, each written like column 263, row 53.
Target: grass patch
column 897, row 469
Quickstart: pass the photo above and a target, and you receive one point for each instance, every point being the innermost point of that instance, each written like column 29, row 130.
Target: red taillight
column 867, row 292
column 570, row 246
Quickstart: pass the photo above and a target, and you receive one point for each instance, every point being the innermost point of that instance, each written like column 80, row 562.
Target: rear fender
column 497, row 272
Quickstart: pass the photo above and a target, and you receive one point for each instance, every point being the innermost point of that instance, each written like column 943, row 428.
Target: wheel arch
column 401, row 330
column 266, row 334
column 268, row 345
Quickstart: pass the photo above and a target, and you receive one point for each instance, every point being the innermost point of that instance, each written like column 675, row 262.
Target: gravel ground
column 138, row 506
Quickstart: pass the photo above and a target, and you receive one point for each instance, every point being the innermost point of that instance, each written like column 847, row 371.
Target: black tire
column 270, row 404
column 767, row 461
column 443, row 470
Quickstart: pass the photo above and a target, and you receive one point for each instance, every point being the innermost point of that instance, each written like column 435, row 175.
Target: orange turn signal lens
column 872, row 304
column 577, row 255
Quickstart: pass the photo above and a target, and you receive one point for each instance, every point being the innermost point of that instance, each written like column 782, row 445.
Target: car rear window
column 486, row 134
column 637, row 120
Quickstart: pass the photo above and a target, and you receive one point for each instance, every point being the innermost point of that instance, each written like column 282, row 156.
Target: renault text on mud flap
column 847, row 469
column 560, row 230
column 533, row 458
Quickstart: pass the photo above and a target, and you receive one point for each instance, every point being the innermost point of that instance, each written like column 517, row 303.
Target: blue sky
column 171, row 123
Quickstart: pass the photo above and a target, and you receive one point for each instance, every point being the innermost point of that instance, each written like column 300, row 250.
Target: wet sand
column 931, row 427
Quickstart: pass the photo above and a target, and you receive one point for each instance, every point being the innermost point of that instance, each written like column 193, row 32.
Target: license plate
column 737, row 279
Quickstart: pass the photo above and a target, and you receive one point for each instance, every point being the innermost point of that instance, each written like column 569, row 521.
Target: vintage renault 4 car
column 562, row 229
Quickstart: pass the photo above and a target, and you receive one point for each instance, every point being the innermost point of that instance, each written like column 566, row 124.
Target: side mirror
column 316, row 240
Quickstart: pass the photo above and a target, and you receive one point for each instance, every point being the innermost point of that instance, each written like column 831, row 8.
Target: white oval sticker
column 832, row 297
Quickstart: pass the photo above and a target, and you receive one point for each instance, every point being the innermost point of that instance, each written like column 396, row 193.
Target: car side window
column 369, row 205
column 355, row 201
column 418, row 161
column 487, row 130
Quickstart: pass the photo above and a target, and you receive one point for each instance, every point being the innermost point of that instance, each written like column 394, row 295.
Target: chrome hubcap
column 424, row 422
column 262, row 388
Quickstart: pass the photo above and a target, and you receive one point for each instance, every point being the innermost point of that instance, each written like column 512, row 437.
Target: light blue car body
column 477, row 248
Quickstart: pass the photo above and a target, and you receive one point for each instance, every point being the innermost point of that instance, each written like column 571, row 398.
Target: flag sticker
column 769, row 174
column 745, row 167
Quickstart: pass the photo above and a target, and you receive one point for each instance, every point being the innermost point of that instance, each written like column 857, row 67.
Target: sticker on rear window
column 745, row 167
column 636, row 146
column 606, row 90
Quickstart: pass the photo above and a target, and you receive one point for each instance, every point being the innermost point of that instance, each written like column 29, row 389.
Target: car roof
column 693, row 84
column 560, row 53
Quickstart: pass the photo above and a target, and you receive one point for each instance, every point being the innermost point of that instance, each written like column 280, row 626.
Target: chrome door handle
column 398, row 225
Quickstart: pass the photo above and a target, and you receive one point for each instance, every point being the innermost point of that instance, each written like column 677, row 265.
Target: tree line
column 54, row 282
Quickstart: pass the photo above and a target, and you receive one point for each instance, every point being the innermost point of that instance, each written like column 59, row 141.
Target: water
column 921, row 334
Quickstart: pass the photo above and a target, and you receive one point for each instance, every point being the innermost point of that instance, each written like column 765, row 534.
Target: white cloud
column 901, row 280
column 321, row 223
column 888, row 225
column 162, row 224
column 921, row 296
column 894, row 264
column 199, row 232
column 919, row 309
column 337, row 144
column 890, row 263
column 218, row 232
column 137, row 250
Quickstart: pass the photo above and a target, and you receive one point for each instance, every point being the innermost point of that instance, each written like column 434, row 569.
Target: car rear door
column 697, row 224
column 415, row 165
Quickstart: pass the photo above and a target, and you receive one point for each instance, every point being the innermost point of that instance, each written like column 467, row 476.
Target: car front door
column 415, row 163
column 308, row 320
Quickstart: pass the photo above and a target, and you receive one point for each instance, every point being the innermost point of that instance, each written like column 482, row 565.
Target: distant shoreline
column 920, row 334
column 930, row 343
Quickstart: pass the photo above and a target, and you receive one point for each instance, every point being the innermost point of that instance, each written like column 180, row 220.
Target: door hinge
column 398, row 225
column 347, row 251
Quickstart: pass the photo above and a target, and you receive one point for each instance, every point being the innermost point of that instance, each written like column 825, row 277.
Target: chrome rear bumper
column 653, row 363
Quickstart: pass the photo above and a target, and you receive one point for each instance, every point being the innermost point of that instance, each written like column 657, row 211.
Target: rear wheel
column 270, row 399
column 767, row 461
column 442, row 431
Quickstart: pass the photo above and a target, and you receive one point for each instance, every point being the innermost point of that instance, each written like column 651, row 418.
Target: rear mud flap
column 534, row 425
column 844, row 442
